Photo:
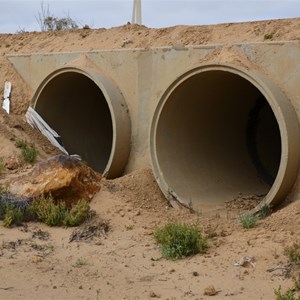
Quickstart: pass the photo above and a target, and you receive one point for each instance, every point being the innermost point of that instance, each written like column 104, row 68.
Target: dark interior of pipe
column 75, row 107
column 217, row 138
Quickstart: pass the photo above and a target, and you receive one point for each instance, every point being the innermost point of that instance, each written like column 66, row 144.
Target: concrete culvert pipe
column 221, row 133
column 90, row 115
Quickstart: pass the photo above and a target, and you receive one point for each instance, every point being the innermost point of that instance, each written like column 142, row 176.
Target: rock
column 153, row 295
column 246, row 262
column 12, row 162
column 64, row 177
column 210, row 291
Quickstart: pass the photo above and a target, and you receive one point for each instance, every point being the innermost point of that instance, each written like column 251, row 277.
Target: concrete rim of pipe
column 112, row 102
column 161, row 132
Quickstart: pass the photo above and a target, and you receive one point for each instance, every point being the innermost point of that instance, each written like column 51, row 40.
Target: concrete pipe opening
column 221, row 133
column 90, row 115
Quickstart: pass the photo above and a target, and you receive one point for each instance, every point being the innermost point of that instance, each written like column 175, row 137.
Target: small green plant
column 180, row 240
column 4, row 188
column 50, row 247
column 268, row 36
column 21, row 144
column 77, row 214
column 264, row 211
column 28, row 153
column 129, row 227
column 248, row 221
column 297, row 283
column 293, row 252
column 80, row 262
column 12, row 215
column 290, row 294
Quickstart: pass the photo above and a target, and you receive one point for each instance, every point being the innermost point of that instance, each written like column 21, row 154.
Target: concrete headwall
column 214, row 122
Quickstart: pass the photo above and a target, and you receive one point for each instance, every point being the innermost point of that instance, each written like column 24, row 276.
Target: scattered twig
column 280, row 267
column 6, row 288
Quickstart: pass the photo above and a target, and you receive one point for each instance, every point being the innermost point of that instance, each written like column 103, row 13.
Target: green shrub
column 46, row 210
column 180, row 240
column 264, row 211
column 248, row 221
column 21, row 144
column 57, row 214
column 4, row 188
column 11, row 214
column 49, row 212
column 48, row 22
column 58, row 24
column 293, row 252
column 28, row 153
column 268, row 36
column 129, row 227
column 290, row 294
column 77, row 214
column 80, row 262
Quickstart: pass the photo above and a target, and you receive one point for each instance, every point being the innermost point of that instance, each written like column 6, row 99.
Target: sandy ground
column 40, row 262
column 125, row 262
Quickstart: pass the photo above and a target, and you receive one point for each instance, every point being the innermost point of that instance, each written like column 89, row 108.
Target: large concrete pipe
column 89, row 113
column 221, row 132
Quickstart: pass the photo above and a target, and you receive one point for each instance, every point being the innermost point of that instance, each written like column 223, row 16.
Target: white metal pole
column 137, row 12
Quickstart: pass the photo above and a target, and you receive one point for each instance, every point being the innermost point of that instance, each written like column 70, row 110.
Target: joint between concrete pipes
column 90, row 114
column 221, row 133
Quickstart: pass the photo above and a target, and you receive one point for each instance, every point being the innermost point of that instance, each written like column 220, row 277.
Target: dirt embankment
column 126, row 36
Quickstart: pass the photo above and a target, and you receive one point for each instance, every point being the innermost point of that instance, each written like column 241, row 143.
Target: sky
column 22, row 15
